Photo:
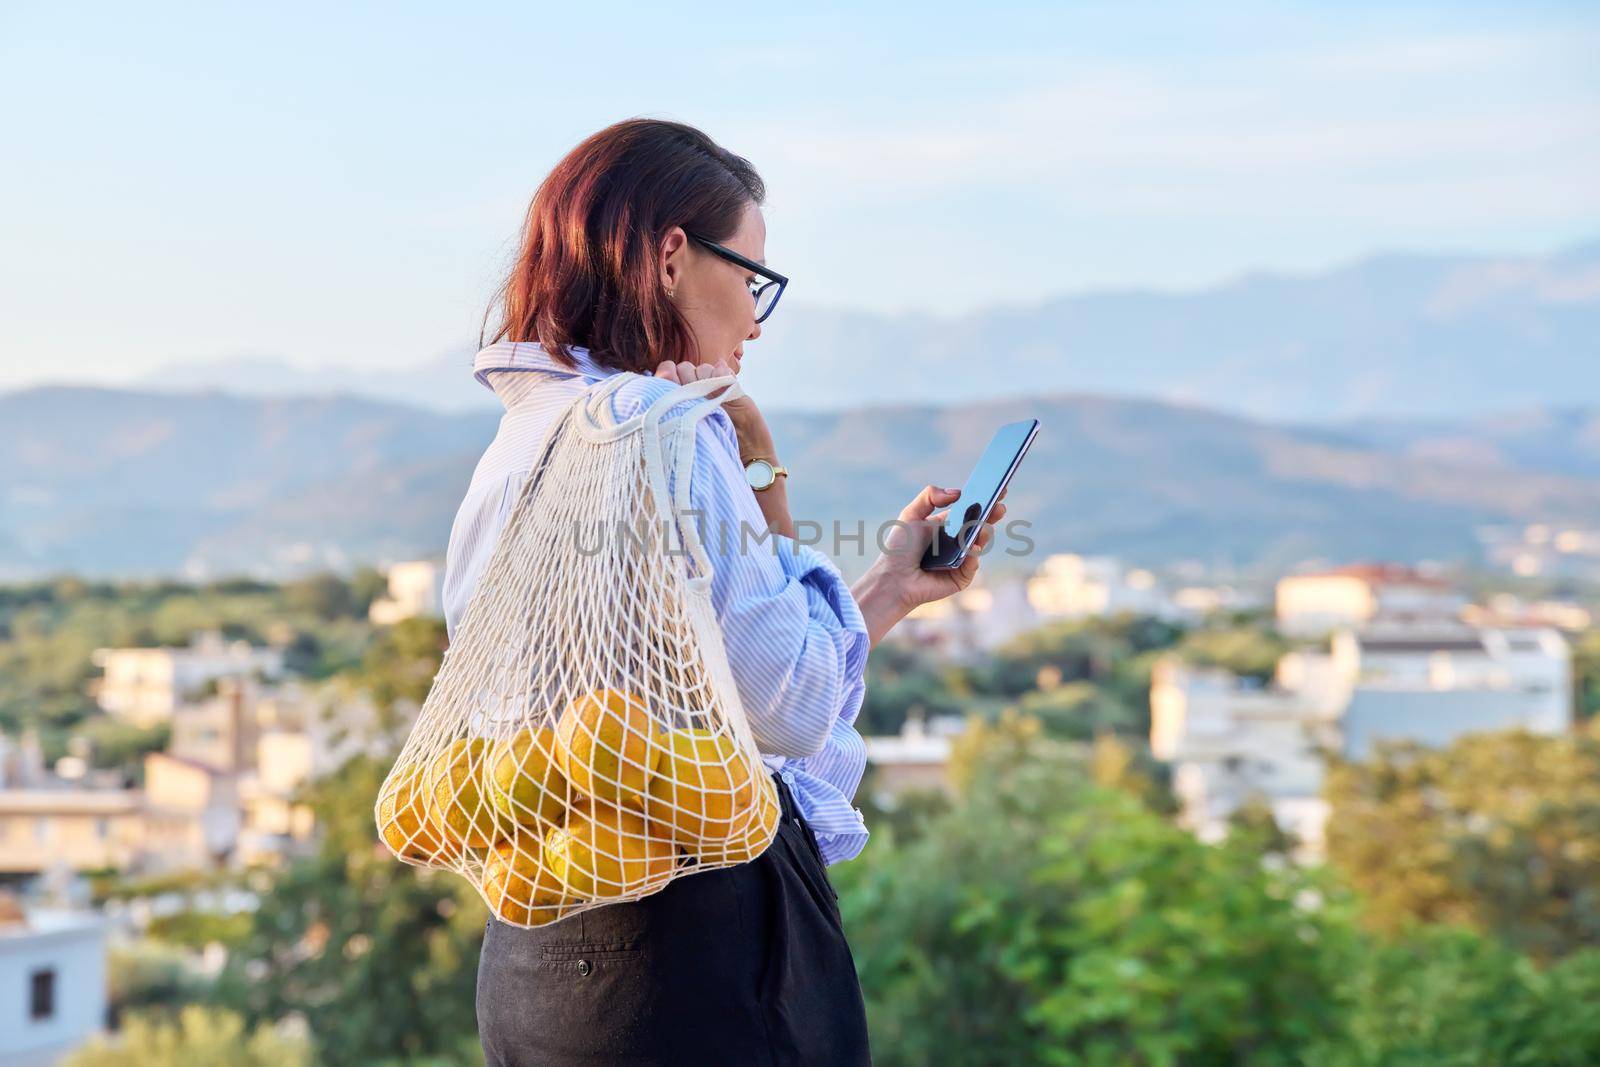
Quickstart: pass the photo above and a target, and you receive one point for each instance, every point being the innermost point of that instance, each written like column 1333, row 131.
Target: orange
column 605, row 746
column 746, row 846
column 406, row 825
column 605, row 851
column 519, row 887
column 524, row 783
column 455, row 789
column 702, row 787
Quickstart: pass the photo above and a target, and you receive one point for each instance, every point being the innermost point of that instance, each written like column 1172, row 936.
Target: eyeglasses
column 764, row 293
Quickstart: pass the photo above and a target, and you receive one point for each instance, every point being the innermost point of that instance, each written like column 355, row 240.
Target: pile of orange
column 600, row 806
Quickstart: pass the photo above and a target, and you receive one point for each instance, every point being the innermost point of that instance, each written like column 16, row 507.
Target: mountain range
column 119, row 482
column 1399, row 335
column 1387, row 408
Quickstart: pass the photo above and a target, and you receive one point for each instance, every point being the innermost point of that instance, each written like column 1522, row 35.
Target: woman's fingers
column 685, row 372
column 923, row 503
column 967, row 571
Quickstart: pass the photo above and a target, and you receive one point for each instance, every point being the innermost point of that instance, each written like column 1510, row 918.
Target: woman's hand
column 748, row 423
column 750, row 428
column 896, row 582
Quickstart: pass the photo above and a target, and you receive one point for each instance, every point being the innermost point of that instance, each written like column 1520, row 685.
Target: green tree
column 903, row 682
column 1248, row 651
column 1445, row 996
column 1049, row 921
column 1116, row 763
column 1497, row 832
column 198, row 1037
column 378, row 957
column 1093, row 650
column 1254, row 820
column 366, row 585
column 1586, row 674
column 151, row 974
column 1077, row 711
column 118, row 743
column 400, row 664
column 325, row 596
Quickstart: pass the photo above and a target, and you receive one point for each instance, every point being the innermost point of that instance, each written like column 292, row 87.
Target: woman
column 644, row 251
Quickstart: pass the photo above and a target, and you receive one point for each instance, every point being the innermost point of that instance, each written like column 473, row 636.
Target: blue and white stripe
column 795, row 637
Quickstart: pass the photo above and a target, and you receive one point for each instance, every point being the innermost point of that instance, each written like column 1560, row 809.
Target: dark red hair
column 587, row 269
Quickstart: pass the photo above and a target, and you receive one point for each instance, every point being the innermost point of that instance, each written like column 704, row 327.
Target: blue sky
column 341, row 184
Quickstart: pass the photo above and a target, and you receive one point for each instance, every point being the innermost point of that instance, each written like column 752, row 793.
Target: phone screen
column 999, row 461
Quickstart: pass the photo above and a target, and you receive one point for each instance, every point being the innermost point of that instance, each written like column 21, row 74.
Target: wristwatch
column 763, row 473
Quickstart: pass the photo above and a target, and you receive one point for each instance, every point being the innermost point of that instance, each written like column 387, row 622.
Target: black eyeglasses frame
column 774, row 278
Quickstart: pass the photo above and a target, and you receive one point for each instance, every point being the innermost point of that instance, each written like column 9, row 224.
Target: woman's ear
column 674, row 257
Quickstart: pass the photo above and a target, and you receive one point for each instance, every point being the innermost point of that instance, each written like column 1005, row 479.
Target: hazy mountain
column 108, row 481
column 1394, row 335
column 117, row 482
column 445, row 384
column 1561, row 440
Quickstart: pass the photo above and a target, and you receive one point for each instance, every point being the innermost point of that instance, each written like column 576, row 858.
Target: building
column 971, row 623
column 273, row 821
column 1071, row 586
column 146, row 685
column 220, row 731
column 415, row 588
column 918, row 757
column 43, row 828
column 192, row 813
column 1433, row 684
column 1310, row 605
column 1543, row 550
column 1229, row 739
column 52, row 983
column 1508, row 609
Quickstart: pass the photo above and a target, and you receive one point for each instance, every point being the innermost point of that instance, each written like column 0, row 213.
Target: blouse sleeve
column 795, row 637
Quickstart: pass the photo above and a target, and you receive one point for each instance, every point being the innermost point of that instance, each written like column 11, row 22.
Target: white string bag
column 584, row 742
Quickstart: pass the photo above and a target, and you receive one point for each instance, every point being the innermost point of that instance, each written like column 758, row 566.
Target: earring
column 669, row 294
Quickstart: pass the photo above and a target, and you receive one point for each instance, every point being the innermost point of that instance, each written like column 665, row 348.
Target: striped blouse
column 795, row 637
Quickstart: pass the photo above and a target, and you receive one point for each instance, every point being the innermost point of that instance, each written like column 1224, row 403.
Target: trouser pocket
column 808, row 866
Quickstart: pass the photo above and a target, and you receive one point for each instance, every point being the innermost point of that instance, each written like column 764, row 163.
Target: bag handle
column 680, row 431
column 593, row 418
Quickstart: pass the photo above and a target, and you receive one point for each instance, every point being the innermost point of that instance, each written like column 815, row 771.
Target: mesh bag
column 583, row 742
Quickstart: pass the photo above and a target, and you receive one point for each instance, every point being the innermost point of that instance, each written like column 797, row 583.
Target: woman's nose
column 755, row 331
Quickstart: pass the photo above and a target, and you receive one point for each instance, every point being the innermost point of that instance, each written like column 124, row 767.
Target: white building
column 1228, row 739
column 52, row 984
column 1313, row 604
column 415, row 588
column 47, row 828
column 193, row 813
column 1071, row 586
column 973, row 622
column 1543, row 549
column 987, row 614
column 1508, row 609
column 918, row 757
column 1433, row 684
column 146, row 685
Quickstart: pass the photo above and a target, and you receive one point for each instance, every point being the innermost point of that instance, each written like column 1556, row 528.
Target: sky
column 341, row 184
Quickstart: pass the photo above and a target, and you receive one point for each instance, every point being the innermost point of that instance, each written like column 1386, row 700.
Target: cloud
column 1398, row 125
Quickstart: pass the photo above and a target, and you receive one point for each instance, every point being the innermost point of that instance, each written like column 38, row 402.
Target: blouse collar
column 531, row 356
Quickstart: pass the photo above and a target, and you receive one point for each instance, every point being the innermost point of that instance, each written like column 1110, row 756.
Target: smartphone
column 984, row 485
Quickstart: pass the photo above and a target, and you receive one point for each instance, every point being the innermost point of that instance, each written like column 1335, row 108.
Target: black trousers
column 745, row 966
